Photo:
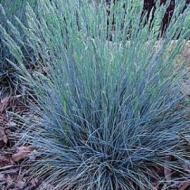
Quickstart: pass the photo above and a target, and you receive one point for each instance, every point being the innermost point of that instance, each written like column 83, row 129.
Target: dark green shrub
column 109, row 112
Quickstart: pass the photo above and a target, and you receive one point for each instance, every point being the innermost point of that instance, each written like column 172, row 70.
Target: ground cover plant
column 111, row 114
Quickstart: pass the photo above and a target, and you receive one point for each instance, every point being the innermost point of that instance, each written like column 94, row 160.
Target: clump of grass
column 110, row 112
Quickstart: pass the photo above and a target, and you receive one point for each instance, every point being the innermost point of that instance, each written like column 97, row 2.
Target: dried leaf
column 22, row 153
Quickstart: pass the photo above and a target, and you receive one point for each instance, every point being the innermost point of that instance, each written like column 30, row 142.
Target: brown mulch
column 13, row 170
column 15, row 158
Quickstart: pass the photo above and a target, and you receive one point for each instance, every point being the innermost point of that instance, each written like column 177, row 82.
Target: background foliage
column 12, row 9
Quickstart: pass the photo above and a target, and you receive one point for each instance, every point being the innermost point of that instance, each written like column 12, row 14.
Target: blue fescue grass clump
column 110, row 112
